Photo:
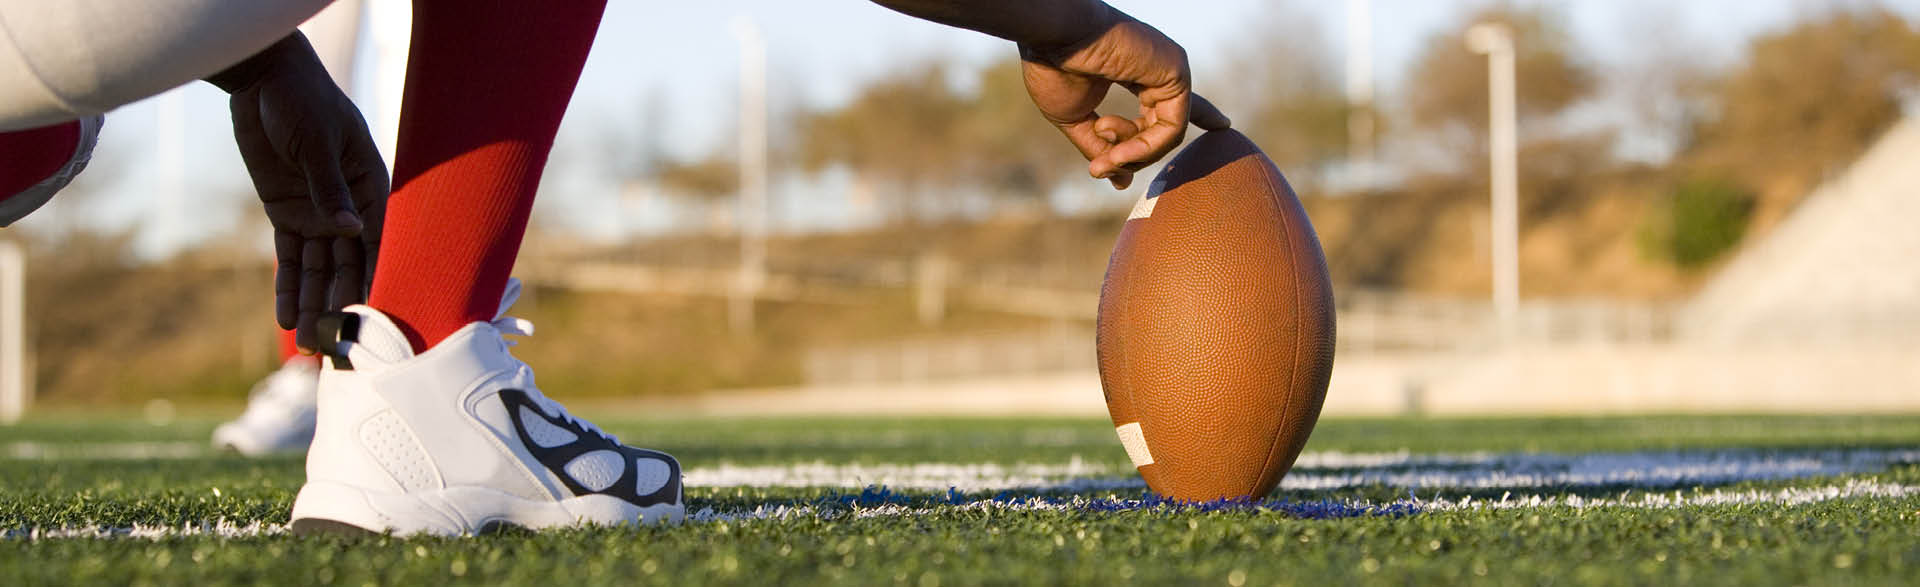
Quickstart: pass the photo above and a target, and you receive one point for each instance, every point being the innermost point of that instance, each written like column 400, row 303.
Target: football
column 1216, row 325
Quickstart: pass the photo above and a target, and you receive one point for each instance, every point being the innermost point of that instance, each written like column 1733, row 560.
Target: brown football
column 1216, row 325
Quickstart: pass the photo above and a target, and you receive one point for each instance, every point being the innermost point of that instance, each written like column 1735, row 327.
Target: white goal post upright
column 13, row 352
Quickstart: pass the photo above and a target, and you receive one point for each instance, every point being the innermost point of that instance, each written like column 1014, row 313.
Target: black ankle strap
column 334, row 328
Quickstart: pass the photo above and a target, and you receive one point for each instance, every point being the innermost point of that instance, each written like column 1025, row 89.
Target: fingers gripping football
column 1068, row 84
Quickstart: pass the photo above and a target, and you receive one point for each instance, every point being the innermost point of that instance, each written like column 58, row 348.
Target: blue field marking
column 877, row 496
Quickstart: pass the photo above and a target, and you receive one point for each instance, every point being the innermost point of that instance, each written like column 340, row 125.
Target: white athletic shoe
column 20, row 205
column 279, row 416
column 457, row 440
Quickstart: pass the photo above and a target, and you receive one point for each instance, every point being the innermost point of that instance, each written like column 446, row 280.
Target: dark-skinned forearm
column 1032, row 23
column 292, row 53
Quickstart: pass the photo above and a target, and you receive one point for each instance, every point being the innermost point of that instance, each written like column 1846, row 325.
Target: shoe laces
column 510, row 325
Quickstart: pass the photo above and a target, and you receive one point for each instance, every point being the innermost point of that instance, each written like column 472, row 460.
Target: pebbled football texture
column 1216, row 325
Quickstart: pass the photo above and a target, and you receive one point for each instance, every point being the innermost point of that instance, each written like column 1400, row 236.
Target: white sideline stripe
column 1855, row 489
column 1314, row 470
column 47, row 451
column 1324, row 471
column 928, row 476
column 1791, row 496
column 222, row 529
column 1641, row 469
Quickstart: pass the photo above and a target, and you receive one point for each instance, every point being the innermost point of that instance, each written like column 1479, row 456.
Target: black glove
column 319, row 175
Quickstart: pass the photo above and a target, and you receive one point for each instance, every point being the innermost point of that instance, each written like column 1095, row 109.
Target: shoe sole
column 334, row 508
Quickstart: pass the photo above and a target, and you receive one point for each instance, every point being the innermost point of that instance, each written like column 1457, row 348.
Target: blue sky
column 684, row 54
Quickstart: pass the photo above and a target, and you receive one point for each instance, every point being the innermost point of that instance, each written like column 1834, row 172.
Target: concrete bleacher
column 1843, row 268
column 1820, row 315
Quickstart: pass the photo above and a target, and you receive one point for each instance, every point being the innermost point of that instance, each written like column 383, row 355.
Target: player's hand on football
column 1068, row 82
column 319, row 175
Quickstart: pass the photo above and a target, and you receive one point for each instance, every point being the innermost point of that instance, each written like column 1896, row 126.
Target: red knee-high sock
column 487, row 83
column 288, row 349
column 28, row 157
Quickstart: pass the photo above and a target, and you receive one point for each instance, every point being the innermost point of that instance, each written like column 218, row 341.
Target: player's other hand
column 1068, row 82
column 319, row 176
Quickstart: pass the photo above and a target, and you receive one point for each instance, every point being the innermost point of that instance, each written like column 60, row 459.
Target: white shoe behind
column 279, row 414
column 458, row 440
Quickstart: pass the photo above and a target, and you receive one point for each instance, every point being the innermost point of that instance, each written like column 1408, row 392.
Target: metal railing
column 1370, row 321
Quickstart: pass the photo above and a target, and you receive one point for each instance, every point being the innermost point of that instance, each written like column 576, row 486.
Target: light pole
column 1360, row 84
column 1496, row 42
column 753, row 174
column 13, row 352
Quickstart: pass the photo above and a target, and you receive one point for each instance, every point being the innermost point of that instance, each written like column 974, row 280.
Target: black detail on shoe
column 503, row 528
column 333, row 328
column 318, row 527
column 555, row 459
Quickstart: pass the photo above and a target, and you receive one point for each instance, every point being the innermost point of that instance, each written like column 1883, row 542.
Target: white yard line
column 929, row 476
column 47, row 451
column 1647, row 480
column 1334, row 470
column 1314, row 470
column 1852, row 489
column 1855, row 489
column 222, row 529
column 1646, row 469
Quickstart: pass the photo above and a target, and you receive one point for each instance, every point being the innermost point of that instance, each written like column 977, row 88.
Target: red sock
column 487, row 83
column 28, row 157
column 288, row 350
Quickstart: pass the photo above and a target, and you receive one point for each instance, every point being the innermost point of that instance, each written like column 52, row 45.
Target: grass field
column 1724, row 500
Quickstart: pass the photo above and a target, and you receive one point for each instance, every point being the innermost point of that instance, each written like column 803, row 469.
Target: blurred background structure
column 1713, row 212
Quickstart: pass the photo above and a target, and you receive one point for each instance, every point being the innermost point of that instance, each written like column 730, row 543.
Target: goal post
column 13, row 352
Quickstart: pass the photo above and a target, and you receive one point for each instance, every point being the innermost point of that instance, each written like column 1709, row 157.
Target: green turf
column 1868, row 540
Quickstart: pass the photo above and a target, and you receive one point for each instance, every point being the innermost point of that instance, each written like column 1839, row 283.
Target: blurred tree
column 635, row 152
column 710, row 178
column 1285, row 93
column 1015, row 152
column 1448, row 92
column 632, row 149
column 1663, row 87
column 924, row 142
column 901, row 131
column 1810, row 99
column 1559, row 165
column 1696, row 223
